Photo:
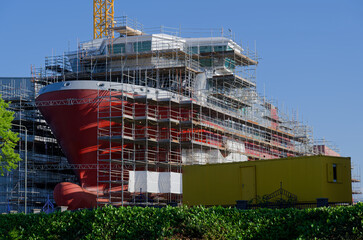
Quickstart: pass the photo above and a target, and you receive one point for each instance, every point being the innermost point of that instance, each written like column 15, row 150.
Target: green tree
column 8, row 139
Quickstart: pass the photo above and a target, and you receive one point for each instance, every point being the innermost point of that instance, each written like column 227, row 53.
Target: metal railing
column 125, row 21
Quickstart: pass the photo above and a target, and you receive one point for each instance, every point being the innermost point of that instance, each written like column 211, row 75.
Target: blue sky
column 311, row 51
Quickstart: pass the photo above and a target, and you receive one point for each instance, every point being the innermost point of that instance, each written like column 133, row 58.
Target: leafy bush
column 343, row 222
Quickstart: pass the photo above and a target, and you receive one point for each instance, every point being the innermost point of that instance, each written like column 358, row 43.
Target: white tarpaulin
column 201, row 156
column 236, row 157
column 176, row 183
column 155, row 182
column 234, row 146
column 206, row 156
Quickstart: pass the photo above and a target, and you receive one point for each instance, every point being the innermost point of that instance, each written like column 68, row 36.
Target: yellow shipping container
column 308, row 178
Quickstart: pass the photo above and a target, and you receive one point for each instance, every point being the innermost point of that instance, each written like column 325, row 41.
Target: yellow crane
column 103, row 18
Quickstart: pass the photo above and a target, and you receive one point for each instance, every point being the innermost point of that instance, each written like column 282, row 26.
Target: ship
column 137, row 107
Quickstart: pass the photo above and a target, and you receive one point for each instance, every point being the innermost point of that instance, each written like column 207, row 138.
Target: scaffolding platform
column 127, row 31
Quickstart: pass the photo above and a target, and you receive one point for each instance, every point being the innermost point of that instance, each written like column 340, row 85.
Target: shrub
column 109, row 222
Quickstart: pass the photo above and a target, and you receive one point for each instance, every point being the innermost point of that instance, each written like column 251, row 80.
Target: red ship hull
column 75, row 115
column 75, row 127
column 86, row 119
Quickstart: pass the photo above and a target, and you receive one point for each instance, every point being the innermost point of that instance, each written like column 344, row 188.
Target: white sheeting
column 155, row 182
column 201, row 156
column 207, row 156
column 234, row 146
column 236, row 157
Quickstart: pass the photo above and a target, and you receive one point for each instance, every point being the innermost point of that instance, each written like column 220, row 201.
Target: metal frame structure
column 103, row 18
column 178, row 124
column 27, row 187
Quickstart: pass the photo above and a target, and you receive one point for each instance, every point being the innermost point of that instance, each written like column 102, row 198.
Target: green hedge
column 183, row 222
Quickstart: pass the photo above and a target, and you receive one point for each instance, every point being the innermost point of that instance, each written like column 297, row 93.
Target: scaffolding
column 356, row 182
column 174, row 101
column 164, row 100
column 324, row 147
column 28, row 186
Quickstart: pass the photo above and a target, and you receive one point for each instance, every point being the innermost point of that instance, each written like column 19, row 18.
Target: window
column 204, row 49
column 220, row 48
column 205, row 62
column 194, row 50
column 229, row 63
column 116, row 48
column 334, row 173
column 142, row 46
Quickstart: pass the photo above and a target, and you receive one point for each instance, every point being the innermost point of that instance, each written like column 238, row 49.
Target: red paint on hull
column 75, row 128
column 74, row 196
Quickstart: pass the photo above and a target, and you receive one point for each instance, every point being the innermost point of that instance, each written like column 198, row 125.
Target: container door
column 248, row 182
